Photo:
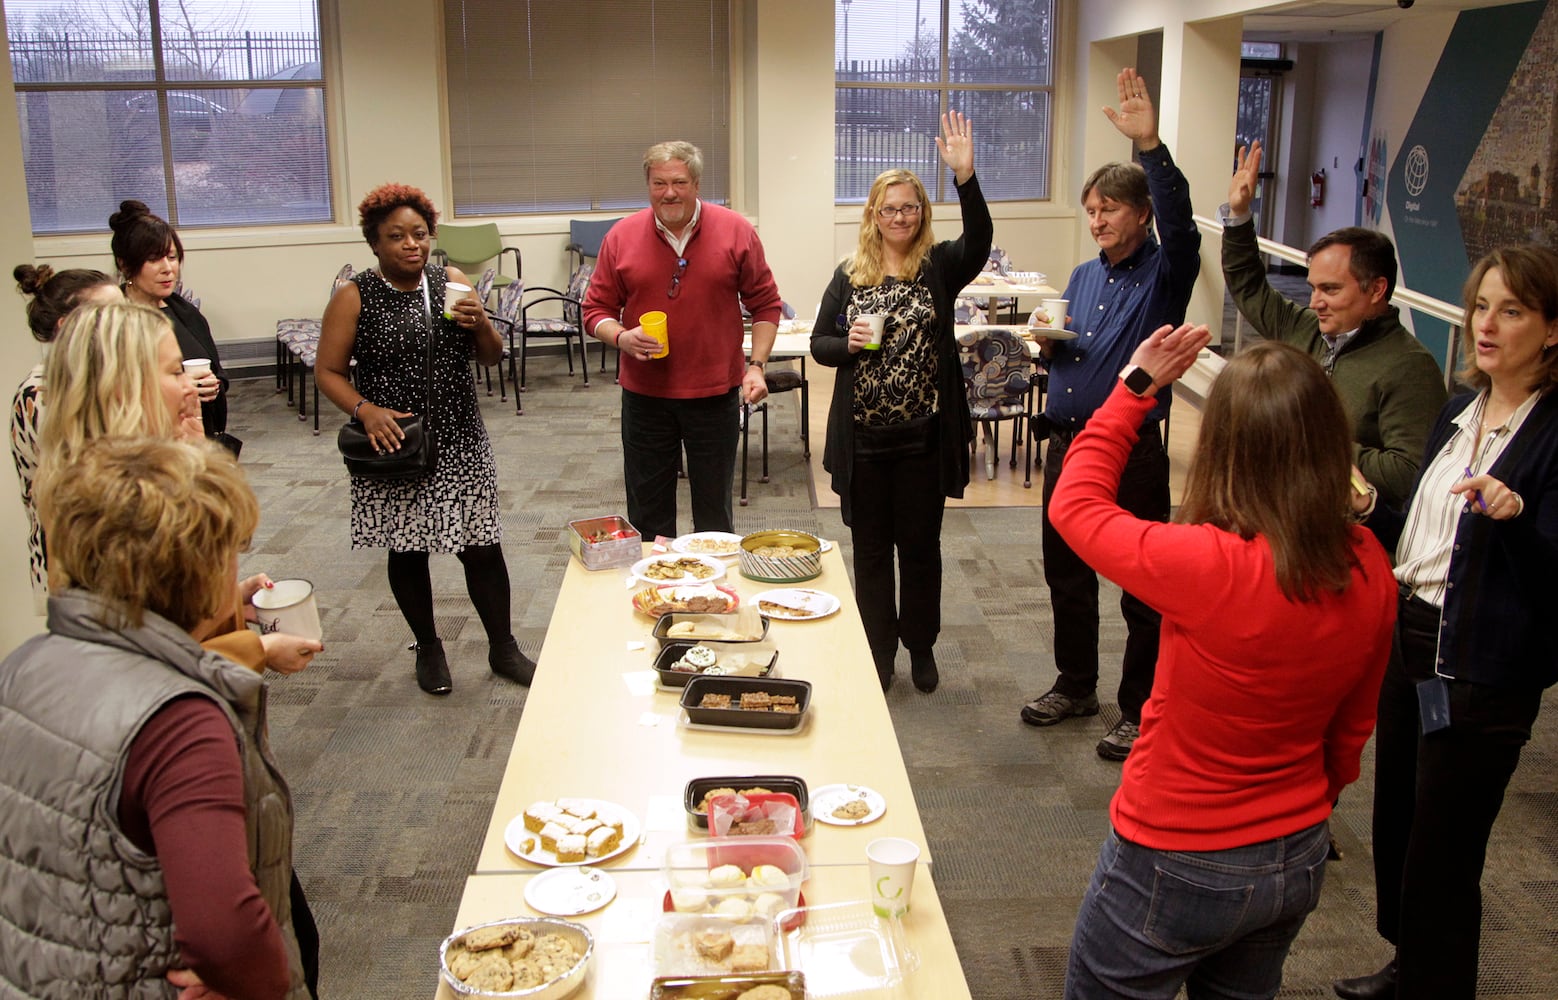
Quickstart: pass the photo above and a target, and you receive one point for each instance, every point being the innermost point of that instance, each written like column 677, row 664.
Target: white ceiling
column 1329, row 19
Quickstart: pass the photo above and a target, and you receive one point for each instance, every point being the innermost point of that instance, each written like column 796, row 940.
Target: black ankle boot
column 1380, row 986
column 922, row 667
column 433, row 668
column 884, row 666
column 509, row 663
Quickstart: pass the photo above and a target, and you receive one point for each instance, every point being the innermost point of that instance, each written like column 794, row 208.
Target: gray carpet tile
column 394, row 789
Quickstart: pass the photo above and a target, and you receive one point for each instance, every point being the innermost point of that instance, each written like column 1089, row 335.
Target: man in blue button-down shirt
column 1137, row 284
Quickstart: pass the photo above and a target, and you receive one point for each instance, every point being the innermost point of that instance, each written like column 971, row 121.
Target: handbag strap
column 427, row 314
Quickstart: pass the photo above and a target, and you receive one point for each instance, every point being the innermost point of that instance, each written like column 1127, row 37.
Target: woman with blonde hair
column 899, row 427
column 54, row 295
column 1219, row 829
column 147, row 833
column 1475, row 552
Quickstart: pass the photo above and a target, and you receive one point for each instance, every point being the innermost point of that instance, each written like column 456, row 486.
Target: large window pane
column 553, row 102
column 900, row 63
column 211, row 112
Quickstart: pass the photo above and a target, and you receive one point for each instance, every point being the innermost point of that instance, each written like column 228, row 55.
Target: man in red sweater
column 699, row 264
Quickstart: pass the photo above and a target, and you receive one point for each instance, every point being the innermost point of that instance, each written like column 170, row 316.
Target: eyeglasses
column 676, row 279
column 889, row 214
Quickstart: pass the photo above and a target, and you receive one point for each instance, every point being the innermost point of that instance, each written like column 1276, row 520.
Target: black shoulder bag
column 418, row 453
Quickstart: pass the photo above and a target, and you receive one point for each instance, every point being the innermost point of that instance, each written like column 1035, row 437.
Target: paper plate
column 515, row 837
column 826, row 799
column 568, row 892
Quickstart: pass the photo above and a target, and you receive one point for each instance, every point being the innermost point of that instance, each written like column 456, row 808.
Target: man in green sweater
column 1390, row 384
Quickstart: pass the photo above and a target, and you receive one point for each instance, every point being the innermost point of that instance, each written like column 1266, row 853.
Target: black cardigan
column 948, row 269
column 195, row 341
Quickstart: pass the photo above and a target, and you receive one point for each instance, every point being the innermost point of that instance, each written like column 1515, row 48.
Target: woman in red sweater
column 1257, row 718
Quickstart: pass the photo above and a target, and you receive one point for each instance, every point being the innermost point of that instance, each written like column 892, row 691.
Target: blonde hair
column 866, row 266
column 101, row 380
column 675, row 149
column 148, row 524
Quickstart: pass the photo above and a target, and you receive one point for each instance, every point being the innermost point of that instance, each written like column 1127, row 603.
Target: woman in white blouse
column 1475, row 558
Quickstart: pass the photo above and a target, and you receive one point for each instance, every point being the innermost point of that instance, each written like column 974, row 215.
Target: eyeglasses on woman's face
column 888, row 213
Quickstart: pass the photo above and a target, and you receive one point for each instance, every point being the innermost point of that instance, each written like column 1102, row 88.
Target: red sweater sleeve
column 183, row 801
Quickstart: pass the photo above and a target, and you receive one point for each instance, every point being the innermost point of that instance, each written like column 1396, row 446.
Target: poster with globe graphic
column 1441, row 179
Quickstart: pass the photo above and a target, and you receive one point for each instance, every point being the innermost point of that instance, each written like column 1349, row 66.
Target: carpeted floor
column 394, row 788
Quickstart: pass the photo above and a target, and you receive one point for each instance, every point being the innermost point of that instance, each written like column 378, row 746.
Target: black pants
column 1435, row 800
column 307, row 933
column 896, row 505
column 1073, row 586
column 655, row 431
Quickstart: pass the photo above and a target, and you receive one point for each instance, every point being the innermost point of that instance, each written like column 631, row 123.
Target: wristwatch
column 1137, row 379
column 753, row 362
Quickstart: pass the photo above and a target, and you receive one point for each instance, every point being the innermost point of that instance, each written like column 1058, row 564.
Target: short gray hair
column 675, row 149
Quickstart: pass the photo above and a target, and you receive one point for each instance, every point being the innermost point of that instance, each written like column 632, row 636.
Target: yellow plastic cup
column 653, row 324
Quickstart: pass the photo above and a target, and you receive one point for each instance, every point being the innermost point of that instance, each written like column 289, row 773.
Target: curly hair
column 140, row 236
column 377, row 205
column 148, row 524
column 54, row 294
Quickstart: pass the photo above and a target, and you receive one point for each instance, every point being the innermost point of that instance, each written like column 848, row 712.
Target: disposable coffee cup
column 454, row 292
column 288, row 606
column 197, row 368
column 878, row 327
column 1056, row 310
column 891, row 861
column 653, row 325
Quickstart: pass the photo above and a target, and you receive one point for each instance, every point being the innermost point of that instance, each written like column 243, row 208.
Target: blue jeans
column 1218, row 922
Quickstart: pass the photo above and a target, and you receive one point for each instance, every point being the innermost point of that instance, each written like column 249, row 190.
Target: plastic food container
column 663, row 625
column 724, row 987
column 673, row 651
column 697, row 687
column 716, row 877
column 803, row 563
column 676, row 952
column 576, row 934
column 846, row 950
column 697, row 788
column 607, row 553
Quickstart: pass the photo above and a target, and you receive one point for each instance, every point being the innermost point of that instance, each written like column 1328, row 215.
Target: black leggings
column 486, row 578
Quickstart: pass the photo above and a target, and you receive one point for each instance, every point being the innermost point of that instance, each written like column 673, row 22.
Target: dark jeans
column 1073, row 586
column 654, row 433
column 897, row 505
column 1435, row 800
column 1218, row 922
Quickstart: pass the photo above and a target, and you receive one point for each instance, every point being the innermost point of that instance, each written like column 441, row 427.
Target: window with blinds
column 210, row 112
column 553, row 102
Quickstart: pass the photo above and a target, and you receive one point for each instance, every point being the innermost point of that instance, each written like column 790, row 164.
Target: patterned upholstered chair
column 297, row 347
column 569, row 326
column 998, row 373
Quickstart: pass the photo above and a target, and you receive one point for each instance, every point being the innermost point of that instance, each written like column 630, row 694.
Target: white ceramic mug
column 288, row 606
column 891, row 861
column 454, row 292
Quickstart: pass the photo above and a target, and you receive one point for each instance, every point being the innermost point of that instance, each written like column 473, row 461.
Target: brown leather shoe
column 1380, row 986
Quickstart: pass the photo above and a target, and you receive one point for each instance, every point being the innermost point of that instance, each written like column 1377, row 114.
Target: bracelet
column 359, row 406
column 753, row 362
column 618, row 338
column 1363, row 515
column 1520, row 503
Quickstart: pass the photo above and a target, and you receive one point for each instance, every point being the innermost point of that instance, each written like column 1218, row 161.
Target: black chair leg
column 316, row 405
column 584, row 360
column 302, row 392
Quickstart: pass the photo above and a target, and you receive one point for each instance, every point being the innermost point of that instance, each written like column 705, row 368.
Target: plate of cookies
column 720, row 544
column 847, row 805
column 675, row 568
column 705, row 598
column 571, row 831
column 538, row 959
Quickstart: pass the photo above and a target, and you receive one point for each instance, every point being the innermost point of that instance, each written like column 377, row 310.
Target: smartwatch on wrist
column 1137, row 379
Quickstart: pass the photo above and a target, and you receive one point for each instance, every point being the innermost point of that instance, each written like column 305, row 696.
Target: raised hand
column 1241, row 190
column 956, row 145
column 1169, row 352
column 1136, row 118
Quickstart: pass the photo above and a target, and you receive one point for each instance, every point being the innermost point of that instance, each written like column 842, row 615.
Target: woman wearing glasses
column 899, row 429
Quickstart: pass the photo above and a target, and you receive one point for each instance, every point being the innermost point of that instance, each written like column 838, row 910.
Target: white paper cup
column 1056, row 310
column 878, row 327
column 892, row 861
column 197, row 368
column 454, row 292
column 288, row 606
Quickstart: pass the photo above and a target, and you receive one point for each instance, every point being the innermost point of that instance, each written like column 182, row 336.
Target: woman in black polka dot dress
column 382, row 319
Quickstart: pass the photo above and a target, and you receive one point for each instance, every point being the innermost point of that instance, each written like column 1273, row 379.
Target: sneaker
column 1052, row 707
column 1117, row 744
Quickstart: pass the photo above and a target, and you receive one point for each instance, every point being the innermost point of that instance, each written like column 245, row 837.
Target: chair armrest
column 519, row 262
column 525, row 308
column 441, row 255
column 544, row 288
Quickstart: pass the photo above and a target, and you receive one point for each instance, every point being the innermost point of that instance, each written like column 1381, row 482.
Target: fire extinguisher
column 1317, row 188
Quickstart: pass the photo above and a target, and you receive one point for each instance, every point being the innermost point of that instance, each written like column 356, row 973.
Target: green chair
column 470, row 247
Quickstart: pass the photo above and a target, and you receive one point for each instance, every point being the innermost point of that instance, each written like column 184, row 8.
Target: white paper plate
column 515, row 835
column 802, row 604
column 685, row 544
column 1046, row 332
column 830, row 797
column 568, row 892
column 716, row 568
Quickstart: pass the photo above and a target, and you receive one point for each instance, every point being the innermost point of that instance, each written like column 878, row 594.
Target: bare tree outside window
column 900, row 63
column 210, row 111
